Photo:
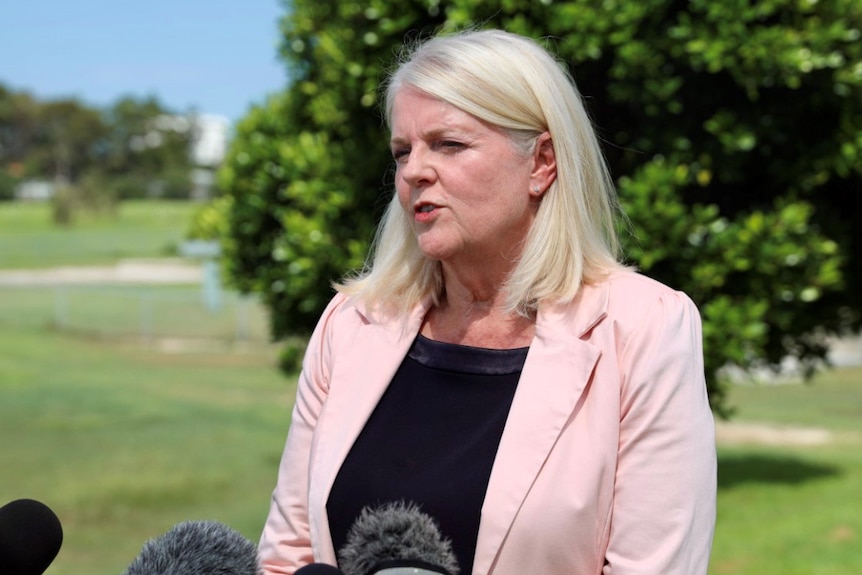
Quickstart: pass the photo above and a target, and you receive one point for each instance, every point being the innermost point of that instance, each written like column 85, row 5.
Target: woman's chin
column 437, row 250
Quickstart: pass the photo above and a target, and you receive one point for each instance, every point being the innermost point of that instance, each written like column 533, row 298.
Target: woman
column 495, row 363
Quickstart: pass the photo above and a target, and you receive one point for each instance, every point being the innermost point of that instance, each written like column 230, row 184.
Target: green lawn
column 832, row 400
column 141, row 312
column 140, row 229
column 123, row 442
column 790, row 509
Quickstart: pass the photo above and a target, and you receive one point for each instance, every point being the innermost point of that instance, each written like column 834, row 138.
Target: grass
column 123, row 442
column 833, row 399
column 140, row 229
column 135, row 311
column 788, row 511
column 793, row 510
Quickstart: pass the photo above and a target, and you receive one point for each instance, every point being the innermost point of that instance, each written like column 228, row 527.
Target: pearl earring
column 536, row 189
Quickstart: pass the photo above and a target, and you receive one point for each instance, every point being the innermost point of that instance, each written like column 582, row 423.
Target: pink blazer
column 607, row 463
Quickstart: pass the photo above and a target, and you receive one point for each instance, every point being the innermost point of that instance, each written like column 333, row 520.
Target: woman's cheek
column 403, row 193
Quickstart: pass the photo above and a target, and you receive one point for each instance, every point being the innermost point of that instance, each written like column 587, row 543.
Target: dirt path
column 157, row 271
column 736, row 432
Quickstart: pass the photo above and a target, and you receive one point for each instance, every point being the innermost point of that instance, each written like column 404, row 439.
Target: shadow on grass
column 738, row 469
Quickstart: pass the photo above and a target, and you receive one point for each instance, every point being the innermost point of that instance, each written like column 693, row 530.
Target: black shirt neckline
column 467, row 359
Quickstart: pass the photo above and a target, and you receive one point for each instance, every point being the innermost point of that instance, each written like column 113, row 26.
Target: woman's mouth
column 424, row 212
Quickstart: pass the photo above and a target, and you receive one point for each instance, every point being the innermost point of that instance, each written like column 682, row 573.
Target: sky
column 209, row 56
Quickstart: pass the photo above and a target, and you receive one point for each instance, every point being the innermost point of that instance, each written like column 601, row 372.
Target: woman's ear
column 544, row 165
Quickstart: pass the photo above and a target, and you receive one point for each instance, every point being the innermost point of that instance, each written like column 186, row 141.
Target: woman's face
column 461, row 181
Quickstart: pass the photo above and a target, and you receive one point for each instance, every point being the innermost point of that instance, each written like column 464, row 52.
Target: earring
column 536, row 189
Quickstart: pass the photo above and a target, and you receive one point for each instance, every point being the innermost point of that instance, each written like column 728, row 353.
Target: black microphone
column 30, row 537
column 318, row 569
column 197, row 548
column 394, row 539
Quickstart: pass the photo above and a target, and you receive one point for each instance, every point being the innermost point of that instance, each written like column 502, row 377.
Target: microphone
column 395, row 539
column 30, row 537
column 197, row 548
column 318, row 569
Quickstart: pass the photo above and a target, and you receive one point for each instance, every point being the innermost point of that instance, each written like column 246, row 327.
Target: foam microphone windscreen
column 197, row 548
column 395, row 536
column 30, row 537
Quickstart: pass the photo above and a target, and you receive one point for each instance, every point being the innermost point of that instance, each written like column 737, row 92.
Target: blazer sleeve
column 285, row 543
column 663, row 514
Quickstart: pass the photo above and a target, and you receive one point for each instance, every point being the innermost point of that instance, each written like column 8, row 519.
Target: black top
column 432, row 440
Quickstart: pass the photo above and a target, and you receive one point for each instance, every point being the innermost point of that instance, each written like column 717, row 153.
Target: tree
column 148, row 152
column 734, row 131
column 18, row 113
column 134, row 148
column 18, row 126
column 70, row 139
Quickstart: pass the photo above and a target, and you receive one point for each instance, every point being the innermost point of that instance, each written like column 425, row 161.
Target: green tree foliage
column 734, row 130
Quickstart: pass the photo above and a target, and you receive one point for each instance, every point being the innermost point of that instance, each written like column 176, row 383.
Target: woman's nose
column 416, row 169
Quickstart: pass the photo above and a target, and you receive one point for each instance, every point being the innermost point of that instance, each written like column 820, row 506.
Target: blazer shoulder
column 634, row 280
column 632, row 297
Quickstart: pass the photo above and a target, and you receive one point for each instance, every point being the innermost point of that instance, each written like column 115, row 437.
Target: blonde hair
column 511, row 82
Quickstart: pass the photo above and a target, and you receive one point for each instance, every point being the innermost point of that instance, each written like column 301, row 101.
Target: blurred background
column 180, row 182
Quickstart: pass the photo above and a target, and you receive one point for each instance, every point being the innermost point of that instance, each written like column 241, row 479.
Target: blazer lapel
column 556, row 372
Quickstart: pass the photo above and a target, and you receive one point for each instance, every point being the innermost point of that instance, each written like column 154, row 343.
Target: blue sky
column 213, row 56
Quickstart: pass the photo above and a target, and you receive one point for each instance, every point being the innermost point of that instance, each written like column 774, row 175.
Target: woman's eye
column 400, row 154
column 451, row 145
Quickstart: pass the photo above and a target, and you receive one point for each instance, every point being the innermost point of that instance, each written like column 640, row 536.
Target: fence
column 143, row 312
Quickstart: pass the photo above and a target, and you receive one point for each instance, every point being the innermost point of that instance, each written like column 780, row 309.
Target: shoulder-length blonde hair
column 511, row 82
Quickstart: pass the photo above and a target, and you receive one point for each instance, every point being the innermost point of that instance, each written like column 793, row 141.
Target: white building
column 209, row 145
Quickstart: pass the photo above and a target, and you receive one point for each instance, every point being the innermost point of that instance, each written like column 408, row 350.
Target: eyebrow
column 433, row 135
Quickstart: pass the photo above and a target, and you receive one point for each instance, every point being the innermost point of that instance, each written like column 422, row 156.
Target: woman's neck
column 464, row 318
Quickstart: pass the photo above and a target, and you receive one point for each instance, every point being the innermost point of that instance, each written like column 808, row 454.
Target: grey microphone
column 396, row 539
column 197, row 548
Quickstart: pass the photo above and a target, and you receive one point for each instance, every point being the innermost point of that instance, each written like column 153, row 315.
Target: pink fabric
column 607, row 463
